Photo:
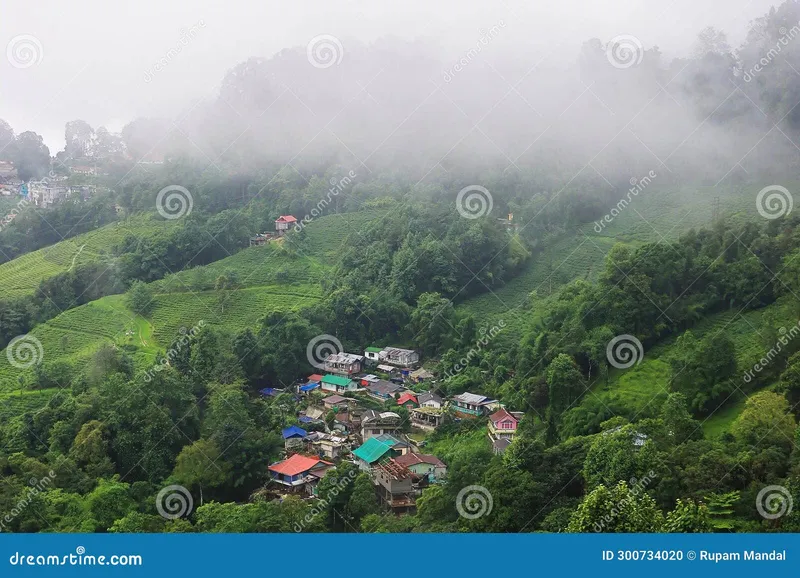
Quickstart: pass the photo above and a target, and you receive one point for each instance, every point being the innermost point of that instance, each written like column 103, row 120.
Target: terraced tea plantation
column 657, row 214
column 22, row 276
column 243, row 308
column 76, row 334
column 253, row 267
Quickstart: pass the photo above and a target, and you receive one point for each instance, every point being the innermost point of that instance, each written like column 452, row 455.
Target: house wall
column 394, row 486
column 427, row 469
column 468, row 409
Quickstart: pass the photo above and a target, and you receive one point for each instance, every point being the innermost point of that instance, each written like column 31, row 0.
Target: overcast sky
column 95, row 55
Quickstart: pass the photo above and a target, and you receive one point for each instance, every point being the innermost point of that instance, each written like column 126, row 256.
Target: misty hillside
column 474, row 268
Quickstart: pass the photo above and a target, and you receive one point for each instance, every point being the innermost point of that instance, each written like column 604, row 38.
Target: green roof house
column 337, row 383
column 373, row 353
column 372, row 452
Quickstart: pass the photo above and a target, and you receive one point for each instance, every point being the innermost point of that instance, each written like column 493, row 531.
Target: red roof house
column 425, row 465
column 283, row 223
column 503, row 424
column 299, row 471
column 408, row 400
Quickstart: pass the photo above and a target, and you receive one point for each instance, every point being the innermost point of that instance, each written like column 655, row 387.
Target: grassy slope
column 270, row 279
column 22, row 275
column 658, row 213
column 643, row 387
column 273, row 280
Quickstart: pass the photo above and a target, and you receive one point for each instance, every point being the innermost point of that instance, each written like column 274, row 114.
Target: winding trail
column 75, row 257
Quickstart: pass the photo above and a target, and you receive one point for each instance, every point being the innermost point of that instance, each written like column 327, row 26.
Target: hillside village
column 50, row 190
column 349, row 416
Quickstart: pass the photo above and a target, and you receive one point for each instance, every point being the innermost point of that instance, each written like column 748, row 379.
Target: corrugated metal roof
column 296, row 464
column 336, row 380
column 472, row 398
column 372, row 450
column 294, row 431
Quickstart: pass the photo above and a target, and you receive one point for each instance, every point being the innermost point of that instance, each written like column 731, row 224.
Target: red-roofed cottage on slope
column 283, row 223
column 503, row 427
column 299, row 473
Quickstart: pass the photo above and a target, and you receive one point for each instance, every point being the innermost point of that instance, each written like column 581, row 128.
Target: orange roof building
column 298, row 470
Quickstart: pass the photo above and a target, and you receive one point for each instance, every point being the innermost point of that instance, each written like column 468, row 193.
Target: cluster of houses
column 10, row 183
column 44, row 193
column 337, row 425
